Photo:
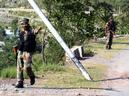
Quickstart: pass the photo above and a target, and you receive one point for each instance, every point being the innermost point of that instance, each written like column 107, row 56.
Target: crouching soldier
column 26, row 47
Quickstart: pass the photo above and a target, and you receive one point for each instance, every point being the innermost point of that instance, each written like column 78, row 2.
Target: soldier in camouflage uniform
column 110, row 31
column 26, row 47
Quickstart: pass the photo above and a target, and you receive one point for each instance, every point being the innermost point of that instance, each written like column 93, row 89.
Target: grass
column 72, row 78
column 52, row 67
column 24, row 14
column 9, row 72
column 118, row 45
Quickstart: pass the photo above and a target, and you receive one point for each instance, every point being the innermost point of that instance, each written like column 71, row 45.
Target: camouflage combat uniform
column 110, row 31
column 26, row 47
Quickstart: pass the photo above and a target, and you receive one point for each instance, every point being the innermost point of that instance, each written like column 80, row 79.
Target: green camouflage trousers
column 24, row 62
column 109, row 40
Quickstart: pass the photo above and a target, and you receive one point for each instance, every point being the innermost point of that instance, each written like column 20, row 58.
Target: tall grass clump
column 9, row 72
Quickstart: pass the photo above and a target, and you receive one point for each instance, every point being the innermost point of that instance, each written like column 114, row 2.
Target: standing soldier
column 110, row 31
column 26, row 47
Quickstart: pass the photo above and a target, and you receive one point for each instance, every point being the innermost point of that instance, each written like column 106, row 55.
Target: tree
column 123, row 17
column 125, row 6
column 2, row 33
column 69, row 18
column 14, row 25
column 102, row 12
column 7, row 58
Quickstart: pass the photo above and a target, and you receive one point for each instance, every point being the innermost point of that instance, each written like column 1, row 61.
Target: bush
column 7, row 58
column 88, row 52
column 54, row 53
column 37, row 62
column 74, row 26
column 38, row 65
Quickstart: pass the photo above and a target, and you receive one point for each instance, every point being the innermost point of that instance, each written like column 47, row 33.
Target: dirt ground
column 118, row 75
column 115, row 83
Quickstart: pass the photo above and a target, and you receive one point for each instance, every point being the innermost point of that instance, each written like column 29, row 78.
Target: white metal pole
column 60, row 40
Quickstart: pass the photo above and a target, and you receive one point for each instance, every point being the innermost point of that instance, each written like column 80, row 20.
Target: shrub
column 39, row 65
column 9, row 72
column 89, row 52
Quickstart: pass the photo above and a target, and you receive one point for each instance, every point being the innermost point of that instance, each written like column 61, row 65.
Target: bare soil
column 118, row 75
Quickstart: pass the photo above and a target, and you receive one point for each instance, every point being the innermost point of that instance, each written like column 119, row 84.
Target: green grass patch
column 24, row 14
column 52, row 67
column 118, row 45
column 10, row 72
column 49, row 68
column 71, row 77
column 38, row 65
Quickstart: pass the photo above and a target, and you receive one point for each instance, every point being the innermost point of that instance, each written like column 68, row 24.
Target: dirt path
column 118, row 75
column 116, row 82
column 6, row 89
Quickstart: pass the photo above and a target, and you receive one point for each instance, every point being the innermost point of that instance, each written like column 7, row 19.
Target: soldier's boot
column 31, row 75
column 107, row 46
column 32, row 80
column 19, row 84
column 110, row 46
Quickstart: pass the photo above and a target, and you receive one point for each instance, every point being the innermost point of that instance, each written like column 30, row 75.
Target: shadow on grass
column 112, row 79
column 86, row 56
column 102, row 47
column 127, row 43
column 119, row 49
column 71, row 88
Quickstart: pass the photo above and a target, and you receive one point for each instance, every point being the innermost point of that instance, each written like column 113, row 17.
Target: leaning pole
column 59, row 39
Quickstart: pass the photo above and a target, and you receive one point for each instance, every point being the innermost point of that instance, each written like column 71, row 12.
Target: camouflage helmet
column 24, row 21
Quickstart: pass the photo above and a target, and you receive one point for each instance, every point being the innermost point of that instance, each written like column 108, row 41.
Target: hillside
column 23, row 3
column 13, row 3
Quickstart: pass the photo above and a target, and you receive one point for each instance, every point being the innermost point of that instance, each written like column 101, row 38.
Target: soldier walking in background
column 110, row 29
column 26, row 47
